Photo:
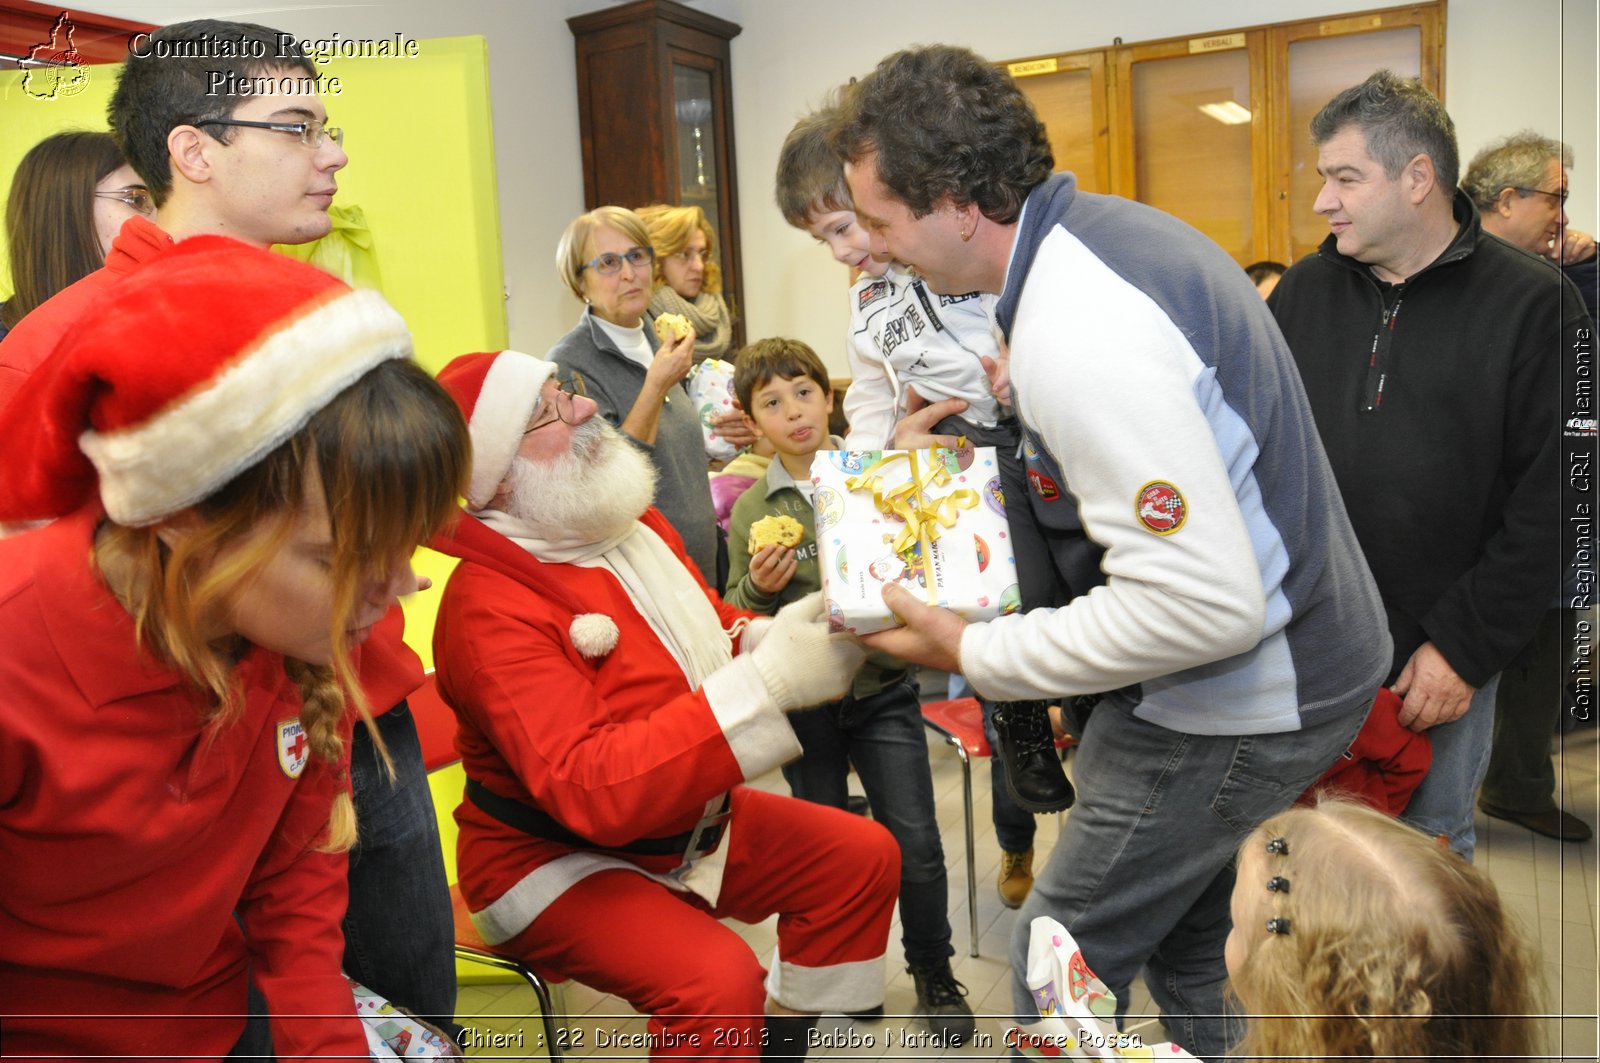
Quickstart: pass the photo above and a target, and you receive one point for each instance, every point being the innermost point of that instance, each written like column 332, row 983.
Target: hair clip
column 1277, row 925
column 1277, row 884
column 1278, row 847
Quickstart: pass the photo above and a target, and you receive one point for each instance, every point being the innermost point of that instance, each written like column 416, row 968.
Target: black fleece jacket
column 1438, row 401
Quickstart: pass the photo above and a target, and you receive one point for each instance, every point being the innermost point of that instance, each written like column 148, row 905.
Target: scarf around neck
column 713, row 327
column 666, row 595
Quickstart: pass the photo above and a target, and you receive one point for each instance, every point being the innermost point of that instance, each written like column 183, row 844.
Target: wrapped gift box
column 933, row 521
column 710, row 387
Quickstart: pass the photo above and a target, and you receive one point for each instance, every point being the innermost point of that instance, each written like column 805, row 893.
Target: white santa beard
column 590, row 493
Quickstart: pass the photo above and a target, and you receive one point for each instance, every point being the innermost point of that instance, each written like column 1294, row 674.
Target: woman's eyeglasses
column 610, row 263
column 136, row 196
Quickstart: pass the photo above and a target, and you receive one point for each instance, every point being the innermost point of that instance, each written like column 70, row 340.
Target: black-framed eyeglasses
column 1560, row 197
column 564, row 408
column 311, row 133
column 610, row 263
column 137, row 197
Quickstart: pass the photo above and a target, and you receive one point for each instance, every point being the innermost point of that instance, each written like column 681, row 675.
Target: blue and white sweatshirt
column 1159, row 391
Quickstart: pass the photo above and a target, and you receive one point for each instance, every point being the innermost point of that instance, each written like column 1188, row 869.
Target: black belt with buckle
column 540, row 824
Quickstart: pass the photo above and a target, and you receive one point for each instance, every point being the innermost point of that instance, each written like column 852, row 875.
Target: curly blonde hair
column 1390, row 947
column 670, row 229
column 390, row 454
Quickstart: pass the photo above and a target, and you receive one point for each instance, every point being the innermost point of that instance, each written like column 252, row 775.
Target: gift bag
column 393, row 1034
column 710, row 387
column 933, row 521
column 1077, row 1012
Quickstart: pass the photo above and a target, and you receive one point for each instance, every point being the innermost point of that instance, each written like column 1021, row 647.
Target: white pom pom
column 594, row 634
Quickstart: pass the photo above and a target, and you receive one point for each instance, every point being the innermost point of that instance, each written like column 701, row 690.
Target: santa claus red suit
column 605, row 727
column 571, row 705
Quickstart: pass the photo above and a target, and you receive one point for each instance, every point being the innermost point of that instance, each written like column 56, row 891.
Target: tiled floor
column 1552, row 887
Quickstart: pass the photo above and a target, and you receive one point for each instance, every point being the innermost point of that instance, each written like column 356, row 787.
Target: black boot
column 787, row 1035
column 1027, row 754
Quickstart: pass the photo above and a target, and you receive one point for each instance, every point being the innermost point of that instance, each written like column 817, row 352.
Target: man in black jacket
column 1430, row 353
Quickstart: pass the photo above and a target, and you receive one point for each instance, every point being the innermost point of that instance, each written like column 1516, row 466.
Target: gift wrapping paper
column 933, row 521
column 711, row 390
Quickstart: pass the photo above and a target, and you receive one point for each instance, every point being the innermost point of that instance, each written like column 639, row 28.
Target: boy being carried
column 784, row 386
column 908, row 345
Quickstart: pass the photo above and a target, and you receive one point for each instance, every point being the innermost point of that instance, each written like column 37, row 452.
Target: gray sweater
column 683, row 492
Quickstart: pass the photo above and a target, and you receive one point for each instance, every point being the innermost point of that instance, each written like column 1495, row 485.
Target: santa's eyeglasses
column 563, row 408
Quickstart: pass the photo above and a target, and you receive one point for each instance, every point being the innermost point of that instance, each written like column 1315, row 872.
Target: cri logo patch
column 294, row 749
column 1160, row 507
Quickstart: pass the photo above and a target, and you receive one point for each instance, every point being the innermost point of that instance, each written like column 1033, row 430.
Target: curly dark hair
column 945, row 122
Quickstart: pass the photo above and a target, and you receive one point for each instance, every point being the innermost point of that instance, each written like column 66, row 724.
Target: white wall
column 1509, row 64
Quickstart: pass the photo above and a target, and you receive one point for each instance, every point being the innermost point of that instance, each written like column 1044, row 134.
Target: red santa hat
column 498, row 393
column 191, row 371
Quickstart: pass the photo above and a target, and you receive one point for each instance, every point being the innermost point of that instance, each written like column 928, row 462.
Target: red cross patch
column 1160, row 507
column 294, row 749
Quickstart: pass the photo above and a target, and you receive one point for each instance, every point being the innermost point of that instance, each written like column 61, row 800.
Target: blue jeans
column 1143, row 870
column 1013, row 824
column 1442, row 804
column 882, row 735
column 399, row 934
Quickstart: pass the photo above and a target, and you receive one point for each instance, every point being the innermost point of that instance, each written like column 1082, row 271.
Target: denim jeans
column 1442, row 804
column 1013, row 824
column 1143, row 870
column 882, row 735
column 399, row 933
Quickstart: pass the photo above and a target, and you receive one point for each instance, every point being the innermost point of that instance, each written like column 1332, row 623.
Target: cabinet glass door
column 695, row 139
column 1192, row 148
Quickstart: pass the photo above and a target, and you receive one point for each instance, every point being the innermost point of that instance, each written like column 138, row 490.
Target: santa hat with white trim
column 498, row 393
column 192, row 370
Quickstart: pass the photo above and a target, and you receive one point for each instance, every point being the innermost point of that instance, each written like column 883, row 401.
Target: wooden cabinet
column 656, row 115
column 1214, row 128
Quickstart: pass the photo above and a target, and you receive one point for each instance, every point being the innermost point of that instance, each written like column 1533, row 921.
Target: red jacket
column 129, row 838
column 1384, row 764
column 617, row 748
column 29, row 343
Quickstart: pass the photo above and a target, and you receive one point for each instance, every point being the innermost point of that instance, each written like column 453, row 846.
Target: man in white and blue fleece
column 1232, row 623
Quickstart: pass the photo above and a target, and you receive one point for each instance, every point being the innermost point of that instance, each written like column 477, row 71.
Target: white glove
column 800, row 661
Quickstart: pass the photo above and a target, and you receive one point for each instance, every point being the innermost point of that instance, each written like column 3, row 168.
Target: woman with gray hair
column 605, row 258
column 1519, row 185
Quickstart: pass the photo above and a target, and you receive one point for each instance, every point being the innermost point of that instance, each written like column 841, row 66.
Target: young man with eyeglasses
column 261, row 169
column 1430, row 352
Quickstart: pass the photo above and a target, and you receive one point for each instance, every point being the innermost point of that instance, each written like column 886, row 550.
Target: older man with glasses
column 1519, row 185
column 610, row 708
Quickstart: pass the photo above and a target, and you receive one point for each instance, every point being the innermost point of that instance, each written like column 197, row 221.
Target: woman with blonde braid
column 1357, row 937
column 241, row 459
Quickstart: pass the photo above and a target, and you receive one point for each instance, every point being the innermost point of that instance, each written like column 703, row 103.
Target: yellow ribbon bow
column 925, row 515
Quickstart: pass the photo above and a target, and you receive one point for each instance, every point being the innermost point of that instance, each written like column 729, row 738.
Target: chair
column 959, row 722
column 471, row 947
column 435, row 729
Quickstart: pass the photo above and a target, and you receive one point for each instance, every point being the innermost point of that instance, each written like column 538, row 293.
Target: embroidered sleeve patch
column 294, row 748
column 1160, row 507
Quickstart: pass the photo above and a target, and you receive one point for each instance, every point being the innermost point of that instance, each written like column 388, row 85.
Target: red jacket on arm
column 30, row 342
